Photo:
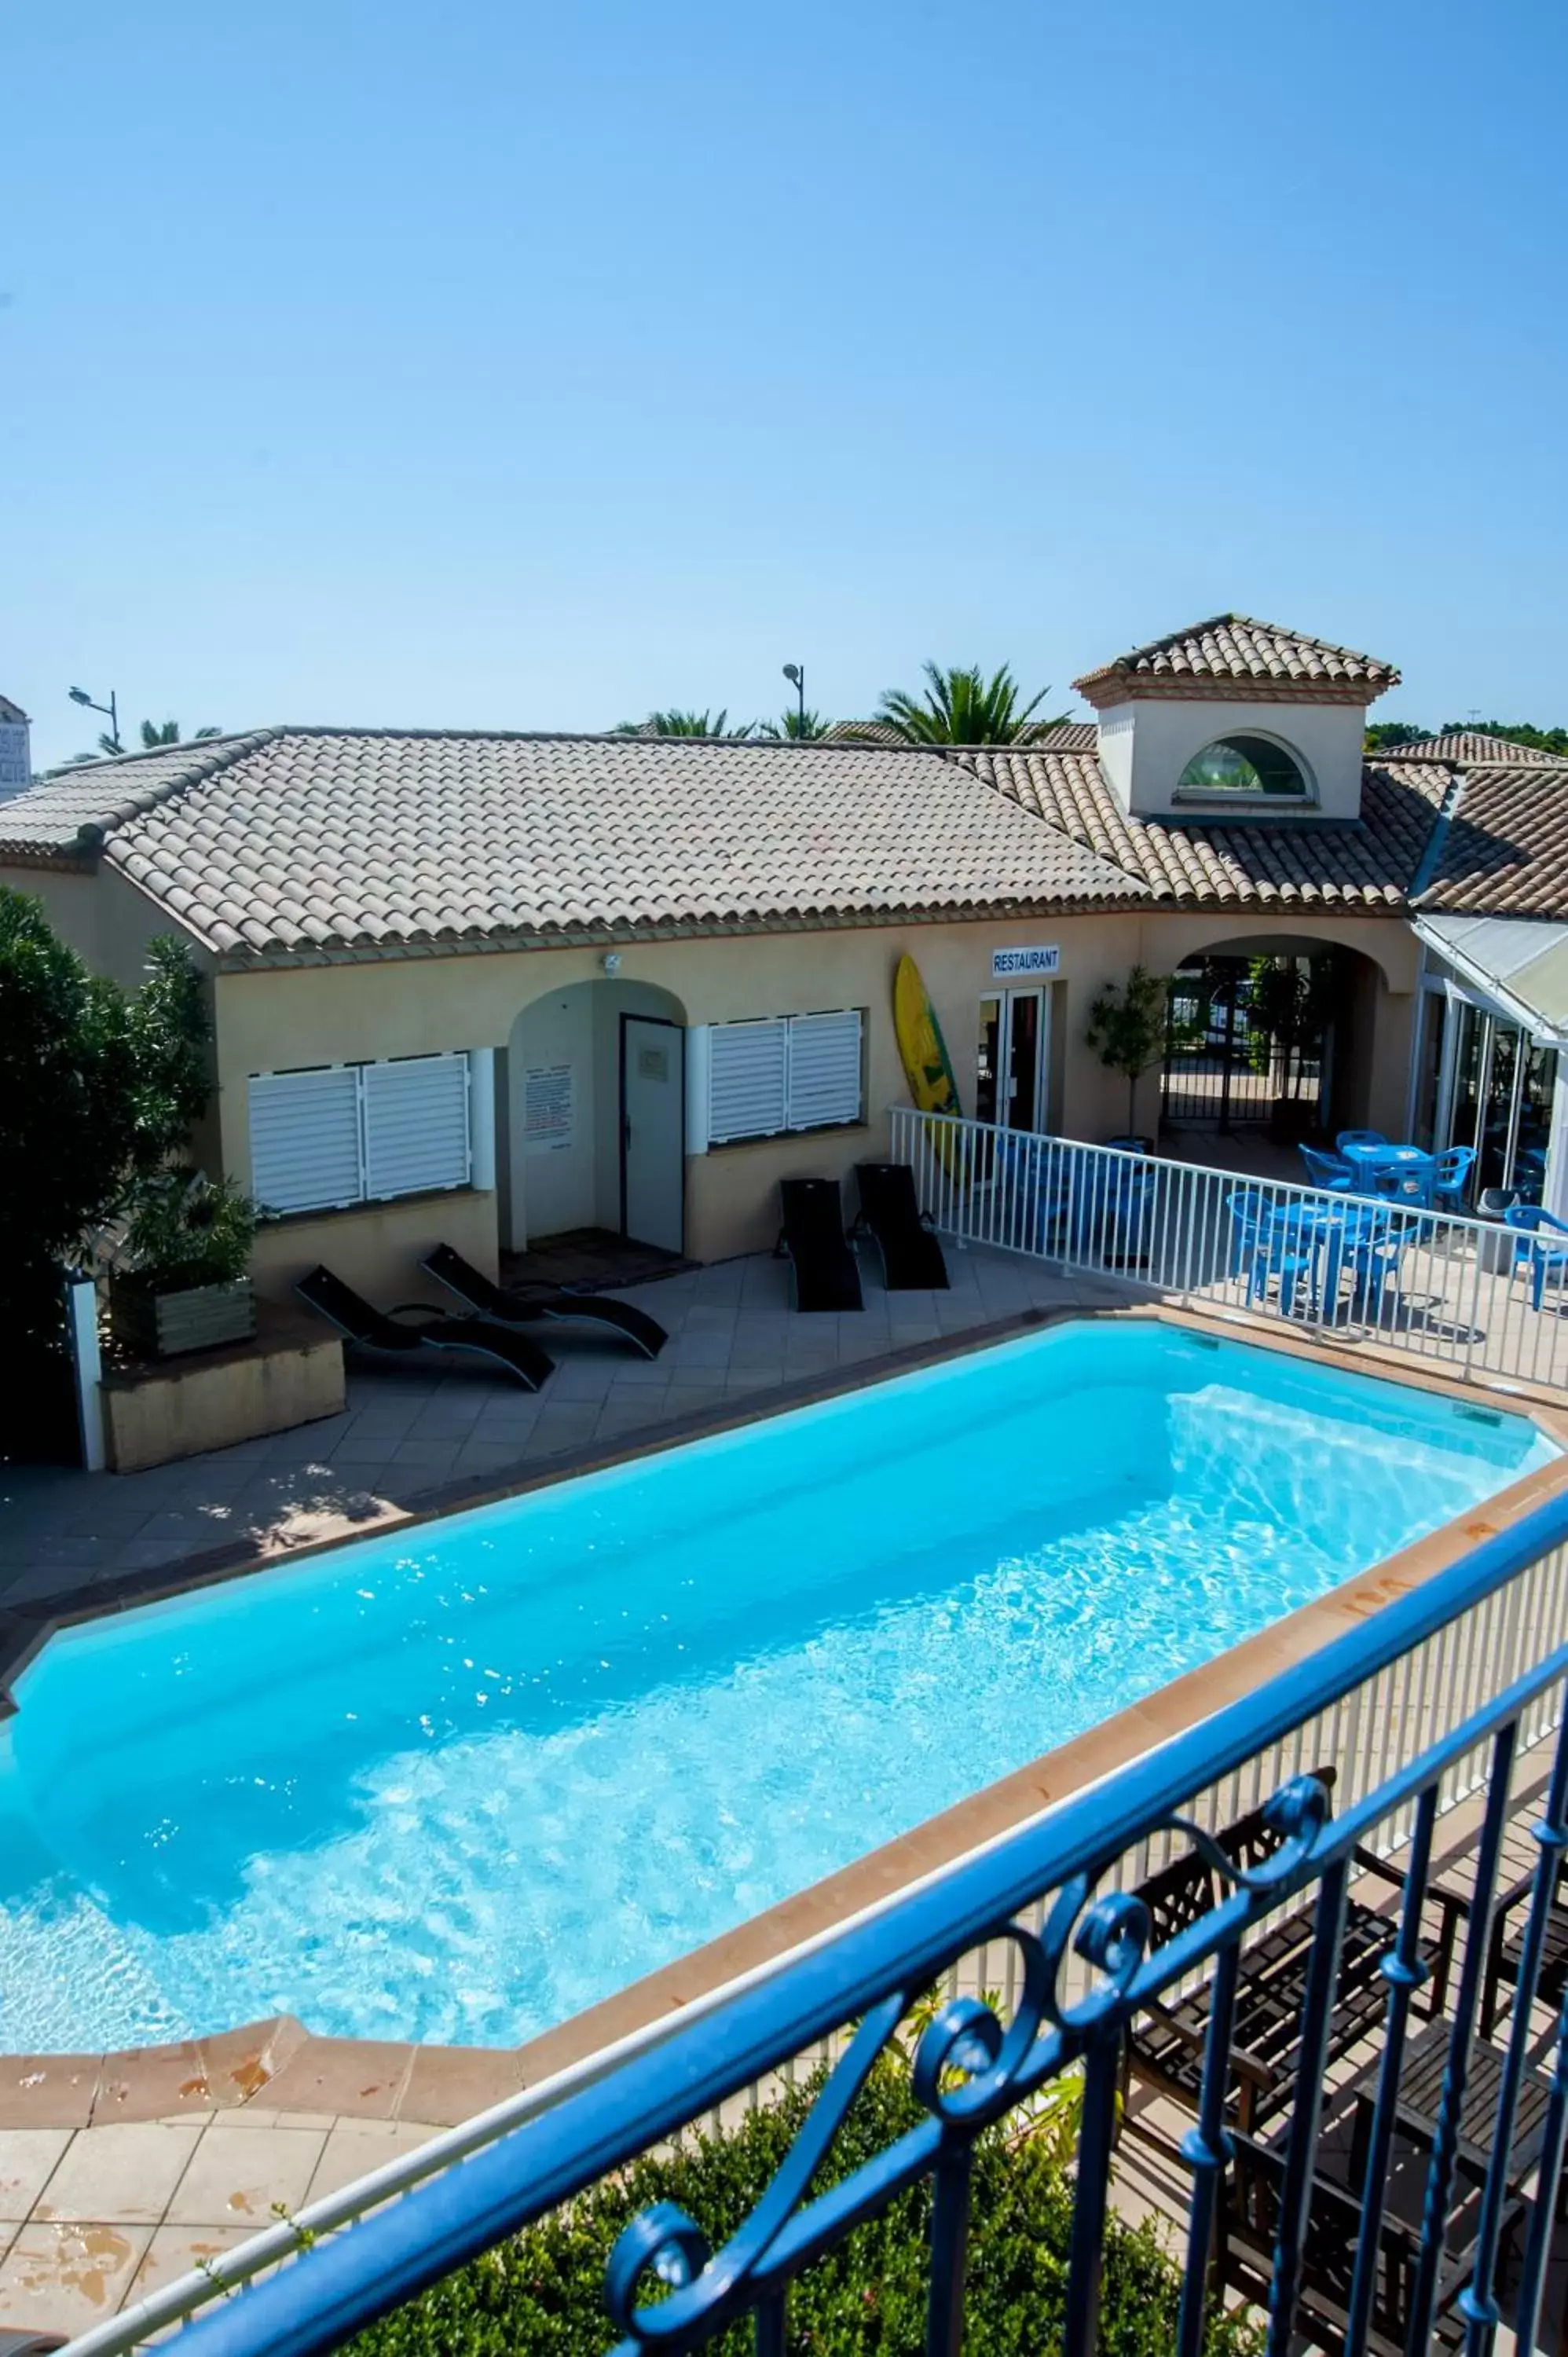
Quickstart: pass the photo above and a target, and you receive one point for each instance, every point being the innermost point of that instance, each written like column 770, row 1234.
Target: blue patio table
column 1371, row 1163
column 1332, row 1233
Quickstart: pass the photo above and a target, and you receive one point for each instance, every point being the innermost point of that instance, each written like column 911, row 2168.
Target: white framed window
column 342, row 1134
column 791, row 1073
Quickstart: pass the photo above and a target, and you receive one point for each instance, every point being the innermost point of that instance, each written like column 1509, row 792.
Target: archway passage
column 592, row 1119
column 1257, row 1043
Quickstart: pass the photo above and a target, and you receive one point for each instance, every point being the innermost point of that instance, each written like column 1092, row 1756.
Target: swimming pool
column 458, row 1782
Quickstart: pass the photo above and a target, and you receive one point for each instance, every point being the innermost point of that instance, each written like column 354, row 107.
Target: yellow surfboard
column 924, row 1050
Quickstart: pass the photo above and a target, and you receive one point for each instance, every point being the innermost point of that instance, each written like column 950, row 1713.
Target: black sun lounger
column 426, row 1329
column 523, row 1305
column 911, row 1257
column 826, row 1277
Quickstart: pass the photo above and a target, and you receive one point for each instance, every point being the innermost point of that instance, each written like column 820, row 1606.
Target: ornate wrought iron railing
column 1460, row 1677
column 1432, row 1284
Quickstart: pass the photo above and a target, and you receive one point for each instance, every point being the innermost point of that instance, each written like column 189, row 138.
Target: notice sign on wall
column 1018, row 965
column 548, row 1109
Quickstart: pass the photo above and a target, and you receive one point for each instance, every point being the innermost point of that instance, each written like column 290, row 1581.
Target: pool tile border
column 290, row 2070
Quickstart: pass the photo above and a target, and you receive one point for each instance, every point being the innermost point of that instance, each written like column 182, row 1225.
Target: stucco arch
column 1171, row 938
column 573, row 1034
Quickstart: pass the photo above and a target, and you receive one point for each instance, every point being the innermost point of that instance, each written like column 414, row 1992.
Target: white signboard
column 1019, row 965
column 548, row 1109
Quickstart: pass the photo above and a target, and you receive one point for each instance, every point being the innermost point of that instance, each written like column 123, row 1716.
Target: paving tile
column 176, row 2251
column 122, row 2172
column 356, row 2147
column 65, row 2278
column 447, row 2084
column 158, row 2083
column 28, row 2161
column 240, row 2177
column 47, row 2090
column 332, row 2076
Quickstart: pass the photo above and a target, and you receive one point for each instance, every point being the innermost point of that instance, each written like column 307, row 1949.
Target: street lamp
column 110, row 711
column 795, row 674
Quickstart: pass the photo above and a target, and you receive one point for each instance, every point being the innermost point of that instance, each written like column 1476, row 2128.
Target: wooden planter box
column 165, row 1325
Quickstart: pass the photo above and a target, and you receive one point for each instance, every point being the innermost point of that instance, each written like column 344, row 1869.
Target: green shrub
column 184, row 1229
column 541, row 2293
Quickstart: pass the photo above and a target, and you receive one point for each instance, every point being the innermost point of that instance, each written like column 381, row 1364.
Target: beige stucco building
column 489, row 988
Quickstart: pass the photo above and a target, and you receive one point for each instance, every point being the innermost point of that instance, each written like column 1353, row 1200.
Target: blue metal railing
column 1091, row 1969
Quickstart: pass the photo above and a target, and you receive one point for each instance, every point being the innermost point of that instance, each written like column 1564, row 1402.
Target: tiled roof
column 1365, row 865
column 1232, row 647
column 301, row 842
column 1056, row 736
column 1469, row 747
column 1505, row 852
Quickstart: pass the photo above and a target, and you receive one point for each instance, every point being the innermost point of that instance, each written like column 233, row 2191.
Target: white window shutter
column 417, row 1125
column 305, row 1139
column 824, row 1069
column 747, row 1079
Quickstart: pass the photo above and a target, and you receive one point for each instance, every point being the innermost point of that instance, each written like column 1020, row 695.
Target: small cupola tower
column 1236, row 717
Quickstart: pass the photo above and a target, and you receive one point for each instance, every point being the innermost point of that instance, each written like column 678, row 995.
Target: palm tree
column 681, row 724
column 797, row 726
column 962, row 706
column 155, row 734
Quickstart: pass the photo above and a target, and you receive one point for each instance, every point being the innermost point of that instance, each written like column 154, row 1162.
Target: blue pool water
column 458, row 1784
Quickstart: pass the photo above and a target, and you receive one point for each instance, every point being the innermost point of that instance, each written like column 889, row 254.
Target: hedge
column 541, row 2294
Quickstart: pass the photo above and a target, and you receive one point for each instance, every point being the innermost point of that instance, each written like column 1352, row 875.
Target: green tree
column 962, row 706
column 97, row 1087
column 1518, row 732
column 798, row 726
column 1289, row 1001
column 677, row 723
column 167, row 732
column 1386, row 733
column 1127, row 1025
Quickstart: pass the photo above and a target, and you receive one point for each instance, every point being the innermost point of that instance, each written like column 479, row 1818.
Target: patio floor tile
column 126, row 2173
column 27, row 2160
column 236, row 2177
column 175, row 2251
column 65, row 2278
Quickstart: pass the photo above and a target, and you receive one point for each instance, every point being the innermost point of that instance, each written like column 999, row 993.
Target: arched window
column 1246, row 767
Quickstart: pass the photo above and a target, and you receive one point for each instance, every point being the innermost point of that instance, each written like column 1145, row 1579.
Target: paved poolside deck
column 405, row 1437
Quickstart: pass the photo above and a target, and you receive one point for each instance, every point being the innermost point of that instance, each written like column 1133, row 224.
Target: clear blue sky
column 513, row 365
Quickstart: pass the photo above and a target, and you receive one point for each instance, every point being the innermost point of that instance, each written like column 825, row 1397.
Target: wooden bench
column 1166, row 2045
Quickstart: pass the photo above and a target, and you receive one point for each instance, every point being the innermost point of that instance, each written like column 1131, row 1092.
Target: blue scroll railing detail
column 1088, row 1966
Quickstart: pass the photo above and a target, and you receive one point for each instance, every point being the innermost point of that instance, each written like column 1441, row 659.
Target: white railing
column 1430, row 1284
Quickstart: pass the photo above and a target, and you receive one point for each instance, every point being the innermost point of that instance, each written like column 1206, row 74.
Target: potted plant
column 1128, row 1027
column 181, row 1278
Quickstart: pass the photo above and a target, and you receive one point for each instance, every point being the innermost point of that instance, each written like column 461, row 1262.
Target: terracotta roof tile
column 1365, row 864
column 1472, row 749
column 1233, row 647
column 357, row 840
column 1505, row 852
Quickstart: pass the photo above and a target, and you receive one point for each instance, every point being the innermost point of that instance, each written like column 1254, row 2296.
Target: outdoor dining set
column 1364, row 1212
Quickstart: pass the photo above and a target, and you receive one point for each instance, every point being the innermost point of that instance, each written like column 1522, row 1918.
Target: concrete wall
column 1146, row 742
column 104, row 917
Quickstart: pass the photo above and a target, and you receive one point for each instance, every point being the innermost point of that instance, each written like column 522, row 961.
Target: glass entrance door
column 1010, row 1064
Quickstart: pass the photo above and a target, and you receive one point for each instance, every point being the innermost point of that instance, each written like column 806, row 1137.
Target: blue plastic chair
column 1533, row 1251
column 1267, row 1243
column 1413, row 1183
column 1452, row 1184
column 1327, row 1171
column 1375, row 1255
column 1359, row 1137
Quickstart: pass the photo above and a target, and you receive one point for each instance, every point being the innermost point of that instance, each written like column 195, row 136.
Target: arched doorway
column 592, row 1127
column 1261, row 1041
